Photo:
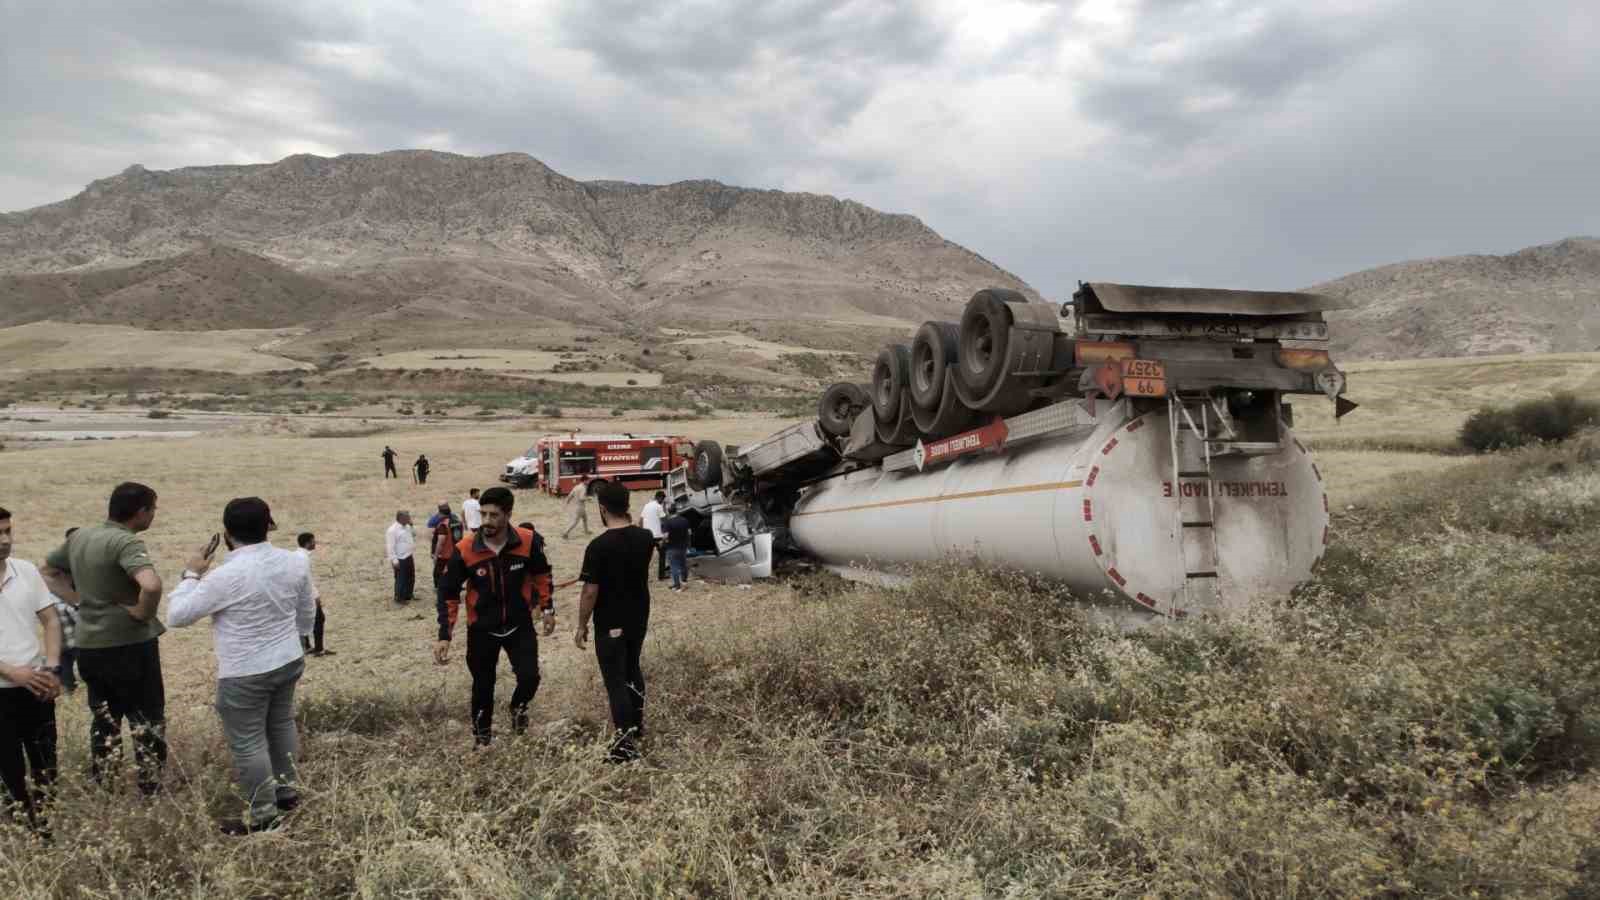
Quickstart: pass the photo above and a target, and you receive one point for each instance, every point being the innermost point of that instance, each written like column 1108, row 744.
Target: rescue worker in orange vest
column 447, row 532
column 502, row 573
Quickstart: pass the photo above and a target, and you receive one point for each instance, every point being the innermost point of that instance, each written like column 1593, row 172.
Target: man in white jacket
column 260, row 602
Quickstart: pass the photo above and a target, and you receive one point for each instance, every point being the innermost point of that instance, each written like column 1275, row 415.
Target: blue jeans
column 678, row 562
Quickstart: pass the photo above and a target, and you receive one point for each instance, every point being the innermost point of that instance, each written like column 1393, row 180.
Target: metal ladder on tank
column 1203, row 583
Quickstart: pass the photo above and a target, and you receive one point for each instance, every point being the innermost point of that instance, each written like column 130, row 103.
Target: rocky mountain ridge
column 1543, row 299
column 449, row 231
column 413, row 236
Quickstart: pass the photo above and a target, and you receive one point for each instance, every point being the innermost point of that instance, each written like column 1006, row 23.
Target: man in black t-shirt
column 616, row 593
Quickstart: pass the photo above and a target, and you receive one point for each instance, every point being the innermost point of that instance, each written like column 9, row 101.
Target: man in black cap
column 388, row 463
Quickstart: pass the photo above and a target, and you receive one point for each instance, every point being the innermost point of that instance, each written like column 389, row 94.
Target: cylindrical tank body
column 1097, row 508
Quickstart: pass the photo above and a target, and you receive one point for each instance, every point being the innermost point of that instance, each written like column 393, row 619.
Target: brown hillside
column 453, row 238
column 209, row 289
column 1543, row 299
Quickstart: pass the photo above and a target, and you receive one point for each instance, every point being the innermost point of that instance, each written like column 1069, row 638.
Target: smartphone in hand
column 211, row 548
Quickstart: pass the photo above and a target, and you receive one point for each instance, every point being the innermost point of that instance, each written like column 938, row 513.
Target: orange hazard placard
column 1144, row 387
column 1144, row 378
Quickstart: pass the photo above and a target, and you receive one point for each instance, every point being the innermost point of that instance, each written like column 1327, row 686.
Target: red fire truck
column 638, row 461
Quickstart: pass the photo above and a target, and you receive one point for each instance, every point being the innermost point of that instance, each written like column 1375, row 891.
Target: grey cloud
column 722, row 39
column 1416, row 128
column 1164, row 100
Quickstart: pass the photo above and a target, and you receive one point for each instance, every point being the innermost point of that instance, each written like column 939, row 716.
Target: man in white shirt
column 312, row 645
column 471, row 511
column 260, row 601
column 401, row 541
column 650, row 518
column 29, row 682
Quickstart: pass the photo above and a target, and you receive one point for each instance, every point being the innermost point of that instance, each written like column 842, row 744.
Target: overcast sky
column 1244, row 144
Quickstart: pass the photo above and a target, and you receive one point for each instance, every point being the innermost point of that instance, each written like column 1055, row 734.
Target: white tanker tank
column 1099, row 505
column 1135, row 447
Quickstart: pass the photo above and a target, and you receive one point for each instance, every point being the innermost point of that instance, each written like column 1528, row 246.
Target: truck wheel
column 706, row 470
column 985, row 333
column 838, row 407
column 890, row 374
column 932, row 350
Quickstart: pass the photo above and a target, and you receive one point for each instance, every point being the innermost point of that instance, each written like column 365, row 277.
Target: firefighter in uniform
column 501, row 573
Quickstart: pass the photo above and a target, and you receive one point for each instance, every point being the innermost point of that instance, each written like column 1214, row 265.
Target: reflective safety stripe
column 1022, row 489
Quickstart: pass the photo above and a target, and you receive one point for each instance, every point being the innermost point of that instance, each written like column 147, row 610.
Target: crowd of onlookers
column 89, row 613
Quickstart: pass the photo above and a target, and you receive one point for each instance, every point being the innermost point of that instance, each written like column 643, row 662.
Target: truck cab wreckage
column 1133, row 444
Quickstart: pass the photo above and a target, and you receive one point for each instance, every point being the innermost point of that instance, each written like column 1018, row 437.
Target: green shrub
column 1548, row 420
column 550, row 412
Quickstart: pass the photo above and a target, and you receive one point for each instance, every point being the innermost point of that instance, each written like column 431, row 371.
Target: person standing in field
column 29, row 680
column 388, row 463
column 106, row 570
column 421, row 467
column 447, row 531
column 261, row 600
column 650, row 519
column 577, row 507
column 616, row 593
column 502, row 574
column 471, row 511
column 68, row 617
column 677, row 528
column 307, row 542
column 401, row 541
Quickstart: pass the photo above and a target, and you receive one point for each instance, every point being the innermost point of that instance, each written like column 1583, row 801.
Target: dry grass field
column 1423, row 402
column 1422, row 724
column 58, row 346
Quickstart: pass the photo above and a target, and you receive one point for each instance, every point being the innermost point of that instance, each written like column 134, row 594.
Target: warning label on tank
column 1227, row 489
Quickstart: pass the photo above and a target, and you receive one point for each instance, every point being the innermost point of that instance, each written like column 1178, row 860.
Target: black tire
column 838, row 407
column 890, row 376
column 985, row 336
column 706, row 470
column 934, row 348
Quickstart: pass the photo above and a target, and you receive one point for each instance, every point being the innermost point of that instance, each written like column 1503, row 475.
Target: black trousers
column 405, row 580
column 314, row 643
column 619, row 668
column 422, row 476
column 125, row 683
column 483, row 658
column 661, row 559
column 388, row 470
column 27, row 746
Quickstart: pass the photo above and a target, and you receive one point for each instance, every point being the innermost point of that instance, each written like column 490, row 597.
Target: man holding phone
column 106, row 571
column 260, row 601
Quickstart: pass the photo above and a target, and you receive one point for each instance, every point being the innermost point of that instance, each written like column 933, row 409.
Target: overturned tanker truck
column 1133, row 444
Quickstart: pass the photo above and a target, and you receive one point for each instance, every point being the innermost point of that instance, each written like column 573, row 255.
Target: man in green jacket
column 106, row 572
